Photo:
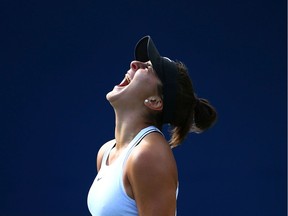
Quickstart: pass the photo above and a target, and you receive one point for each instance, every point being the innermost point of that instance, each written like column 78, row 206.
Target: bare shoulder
column 153, row 154
column 101, row 153
column 152, row 173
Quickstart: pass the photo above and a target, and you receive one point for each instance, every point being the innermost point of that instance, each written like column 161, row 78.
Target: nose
column 135, row 65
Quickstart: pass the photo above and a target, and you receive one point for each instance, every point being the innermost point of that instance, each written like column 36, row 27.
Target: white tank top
column 107, row 195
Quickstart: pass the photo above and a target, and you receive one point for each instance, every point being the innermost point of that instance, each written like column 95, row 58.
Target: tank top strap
column 109, row 147
column 137, row 139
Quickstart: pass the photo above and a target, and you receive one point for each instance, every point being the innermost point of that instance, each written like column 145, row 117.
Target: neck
column 128, row 125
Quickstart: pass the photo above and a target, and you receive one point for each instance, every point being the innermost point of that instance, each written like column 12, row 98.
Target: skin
column 150, row 174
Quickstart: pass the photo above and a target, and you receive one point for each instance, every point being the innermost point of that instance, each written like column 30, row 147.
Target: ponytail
column 193, row 114
column 204, row 116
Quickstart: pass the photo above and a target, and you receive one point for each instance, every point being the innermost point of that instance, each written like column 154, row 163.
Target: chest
column 107, row 195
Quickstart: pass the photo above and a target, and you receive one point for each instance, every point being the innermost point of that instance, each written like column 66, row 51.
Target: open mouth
column 125, row 81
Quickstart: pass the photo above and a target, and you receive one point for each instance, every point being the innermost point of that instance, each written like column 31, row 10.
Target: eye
column 148, row 65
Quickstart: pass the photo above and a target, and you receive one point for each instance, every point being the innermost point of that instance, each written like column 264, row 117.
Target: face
column 140, row 82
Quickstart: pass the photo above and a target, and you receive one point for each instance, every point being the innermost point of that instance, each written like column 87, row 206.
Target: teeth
column 125, row 81
column 127, row 78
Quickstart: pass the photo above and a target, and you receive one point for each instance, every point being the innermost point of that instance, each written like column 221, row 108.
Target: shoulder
column 153, row 153
column 152, row 173
column 101, row 152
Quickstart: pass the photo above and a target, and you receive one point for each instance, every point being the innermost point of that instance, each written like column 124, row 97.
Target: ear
column 154, row 103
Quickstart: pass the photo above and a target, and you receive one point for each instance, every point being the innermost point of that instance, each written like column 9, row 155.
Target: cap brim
column 146, row 50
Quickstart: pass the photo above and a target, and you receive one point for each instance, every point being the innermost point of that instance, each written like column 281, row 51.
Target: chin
column 112, row 96
column 109, row 96
column 115, row 93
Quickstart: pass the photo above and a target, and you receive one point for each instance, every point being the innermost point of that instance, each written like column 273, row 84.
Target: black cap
column 167, row 72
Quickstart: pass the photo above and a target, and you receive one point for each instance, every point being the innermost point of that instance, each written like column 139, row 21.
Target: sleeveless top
column 107, row 195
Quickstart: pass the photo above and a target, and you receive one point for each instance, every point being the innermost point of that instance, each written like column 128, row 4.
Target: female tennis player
column 137, row 172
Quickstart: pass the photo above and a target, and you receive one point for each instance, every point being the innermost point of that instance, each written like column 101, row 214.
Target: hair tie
column 197, row 101
column 193, row 127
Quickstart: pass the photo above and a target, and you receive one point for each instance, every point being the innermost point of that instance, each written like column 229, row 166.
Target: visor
column 167, row 72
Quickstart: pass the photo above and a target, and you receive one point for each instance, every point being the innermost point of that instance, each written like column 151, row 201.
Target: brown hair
column 193, row 114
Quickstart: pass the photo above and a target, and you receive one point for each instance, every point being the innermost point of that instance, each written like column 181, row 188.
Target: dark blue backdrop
column 60, row 58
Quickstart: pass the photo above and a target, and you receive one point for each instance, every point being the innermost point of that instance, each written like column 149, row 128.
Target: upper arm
column 152, row 174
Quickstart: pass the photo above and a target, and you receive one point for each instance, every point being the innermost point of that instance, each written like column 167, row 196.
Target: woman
column 137, row 172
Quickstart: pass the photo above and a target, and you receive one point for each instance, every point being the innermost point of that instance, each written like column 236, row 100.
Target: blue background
column 60, row 58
